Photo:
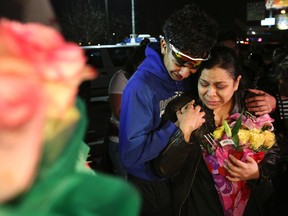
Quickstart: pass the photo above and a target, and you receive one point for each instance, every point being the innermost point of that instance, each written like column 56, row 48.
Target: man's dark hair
column 191, row 30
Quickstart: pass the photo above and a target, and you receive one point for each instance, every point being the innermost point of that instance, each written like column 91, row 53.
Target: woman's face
column 216, row 88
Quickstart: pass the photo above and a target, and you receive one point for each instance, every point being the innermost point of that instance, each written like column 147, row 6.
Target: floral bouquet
column 40, row 74
column 42, row 127
column 241, row 135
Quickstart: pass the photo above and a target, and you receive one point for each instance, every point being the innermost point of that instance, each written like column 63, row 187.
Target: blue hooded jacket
column 144, row 99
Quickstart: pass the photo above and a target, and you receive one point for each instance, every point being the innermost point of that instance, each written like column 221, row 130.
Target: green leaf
column 227, row 128
column 235, row 139
column 237, row 126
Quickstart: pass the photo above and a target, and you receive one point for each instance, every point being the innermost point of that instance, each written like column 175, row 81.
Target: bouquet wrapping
column 241, row 135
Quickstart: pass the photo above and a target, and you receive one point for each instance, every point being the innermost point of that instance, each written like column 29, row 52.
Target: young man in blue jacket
column 189, row 35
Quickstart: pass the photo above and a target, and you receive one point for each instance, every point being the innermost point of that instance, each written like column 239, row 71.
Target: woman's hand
column 240, row 171
column 261, row 103
column 189, row 119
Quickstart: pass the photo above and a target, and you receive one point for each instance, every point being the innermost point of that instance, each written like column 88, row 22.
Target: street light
column 133, row 35
column 107, row 18
column 133, row 17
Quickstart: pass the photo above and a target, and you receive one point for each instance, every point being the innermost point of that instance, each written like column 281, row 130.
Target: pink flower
column 265, row 120
column 21, row 131
column 234, row 117
column 252, row 122
column 39, row 78
column 41, row 53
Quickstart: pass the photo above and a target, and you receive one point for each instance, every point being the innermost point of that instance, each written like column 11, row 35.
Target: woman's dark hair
column 227, row 59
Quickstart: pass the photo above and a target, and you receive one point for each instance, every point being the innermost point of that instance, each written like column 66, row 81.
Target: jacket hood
column 154, row 62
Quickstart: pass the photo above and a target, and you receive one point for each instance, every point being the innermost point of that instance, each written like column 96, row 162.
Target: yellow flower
column 217, row 134
column 256, row 139
column 244, row 136
column 269, row 139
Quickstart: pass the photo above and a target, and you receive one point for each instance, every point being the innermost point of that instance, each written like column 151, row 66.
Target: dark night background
column 150, row 14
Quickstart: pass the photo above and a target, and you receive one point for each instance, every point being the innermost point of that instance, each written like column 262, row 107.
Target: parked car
column 107, row 59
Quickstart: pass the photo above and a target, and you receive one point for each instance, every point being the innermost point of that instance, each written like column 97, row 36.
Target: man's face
column 176, row 71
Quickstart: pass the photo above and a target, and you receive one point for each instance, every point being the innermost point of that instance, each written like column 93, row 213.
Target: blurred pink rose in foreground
column 39, row 78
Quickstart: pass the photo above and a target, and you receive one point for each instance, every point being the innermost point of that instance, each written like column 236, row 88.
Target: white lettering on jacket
column 164, row 103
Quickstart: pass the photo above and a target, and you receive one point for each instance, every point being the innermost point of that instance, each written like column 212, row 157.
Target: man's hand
column 260, row 103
